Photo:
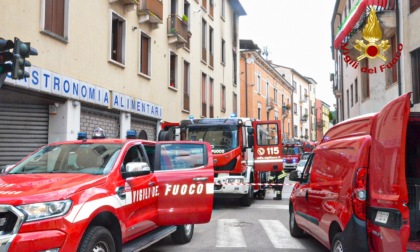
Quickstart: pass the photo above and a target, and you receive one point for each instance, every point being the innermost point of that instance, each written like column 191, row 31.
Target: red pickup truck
column 105, row 195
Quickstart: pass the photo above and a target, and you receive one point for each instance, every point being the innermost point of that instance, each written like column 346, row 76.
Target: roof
column 237, row 7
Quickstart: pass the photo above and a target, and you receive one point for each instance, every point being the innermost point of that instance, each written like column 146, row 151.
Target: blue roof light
column 233, row 115
column 81, row 135
column 131, row 134
column 191, row 117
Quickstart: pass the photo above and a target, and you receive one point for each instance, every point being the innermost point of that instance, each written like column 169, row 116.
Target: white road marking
column 229, row 234
column 280, row 207
column 279, row 235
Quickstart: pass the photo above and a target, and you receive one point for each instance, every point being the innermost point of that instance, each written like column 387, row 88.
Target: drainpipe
column 397, row 17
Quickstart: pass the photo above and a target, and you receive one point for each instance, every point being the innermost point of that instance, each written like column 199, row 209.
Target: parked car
column 360, row 188
column 305, row 155
column 300, row 166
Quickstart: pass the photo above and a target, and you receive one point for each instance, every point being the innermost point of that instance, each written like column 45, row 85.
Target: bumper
column 289, row 167
column 37, row 241
column 230, row 187
column 355, row 235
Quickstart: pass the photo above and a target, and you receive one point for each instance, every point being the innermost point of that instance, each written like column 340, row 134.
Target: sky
column 297, row 34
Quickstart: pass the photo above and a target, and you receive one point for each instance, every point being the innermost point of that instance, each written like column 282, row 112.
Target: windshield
column 225, row 137
column 70, row 158
column 302, row 162
column 290, row 150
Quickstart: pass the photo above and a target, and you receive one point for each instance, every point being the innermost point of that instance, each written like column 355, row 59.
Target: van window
column 307, row 170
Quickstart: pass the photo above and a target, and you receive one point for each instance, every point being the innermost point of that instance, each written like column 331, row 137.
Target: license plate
column 382, row 217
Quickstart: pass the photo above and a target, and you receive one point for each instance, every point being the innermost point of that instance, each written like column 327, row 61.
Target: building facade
column 300, row 103
column 119, row 65
column 322, row 119
column 376, row 49
column 265, row 94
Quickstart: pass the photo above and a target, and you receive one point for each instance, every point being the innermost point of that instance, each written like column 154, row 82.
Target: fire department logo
column 372, row 33
column 261, row 151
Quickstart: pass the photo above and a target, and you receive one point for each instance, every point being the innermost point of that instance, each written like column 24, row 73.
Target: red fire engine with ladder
column 245, row 151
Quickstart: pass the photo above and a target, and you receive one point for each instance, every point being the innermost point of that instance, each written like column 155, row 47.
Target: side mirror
column 134, row 169
column 294, row 176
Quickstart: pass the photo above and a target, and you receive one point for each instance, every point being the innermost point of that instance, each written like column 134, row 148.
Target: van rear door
column 267, row 148
column 388, row 215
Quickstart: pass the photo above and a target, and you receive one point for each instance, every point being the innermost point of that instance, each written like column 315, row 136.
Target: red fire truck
column 105, row 195
column 244, row 150
column 292, row 150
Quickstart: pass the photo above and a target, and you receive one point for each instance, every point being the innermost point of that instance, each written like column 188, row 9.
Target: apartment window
column 267, row 90
column 223, row 97
column 356, row 91
column 173, row 70
column 223, row 50
column 276, row 115
column 259, row 83
column 392, row 71
column 295, row 108
column 295, row 131
column 186, row 100
column 275, row 96
column 204, row 4
column 211, row 97
column 222, row 6
column 259, row 110
column 365, row 80
column 117, row 38
column 414, row 5
column 415, row 71
column 294, row 86
column 211, row 46
column 203, row 95
column 351, row 94
column 235, row 103
column 56, row 17
column 203, row 40
column 145, row 54
column 348, row 104
column 235, row 67
column 211, row 13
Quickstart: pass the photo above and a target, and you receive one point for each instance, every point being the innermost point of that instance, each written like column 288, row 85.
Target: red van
column 360, row 189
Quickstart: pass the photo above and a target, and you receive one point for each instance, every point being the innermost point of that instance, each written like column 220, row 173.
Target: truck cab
column 105, row 194
column 292, row 151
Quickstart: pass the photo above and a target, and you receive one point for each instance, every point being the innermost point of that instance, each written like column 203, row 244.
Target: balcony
column 124, row 1
column 270, row 104
column 303, row 99
column 338, row 93
column 150, row 11
column 304, row 118
column 177, row 31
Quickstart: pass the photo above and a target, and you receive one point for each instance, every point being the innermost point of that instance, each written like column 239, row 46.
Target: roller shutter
column 23, row 129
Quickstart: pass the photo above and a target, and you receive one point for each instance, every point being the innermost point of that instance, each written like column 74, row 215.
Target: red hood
column 17, row 189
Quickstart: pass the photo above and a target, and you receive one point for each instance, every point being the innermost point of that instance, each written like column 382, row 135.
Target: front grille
column 7, row 222
column 10, row 220
column 228, row 167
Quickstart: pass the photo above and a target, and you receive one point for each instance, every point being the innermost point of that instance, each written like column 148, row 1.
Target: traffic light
column 21, row 51
column 5, row 55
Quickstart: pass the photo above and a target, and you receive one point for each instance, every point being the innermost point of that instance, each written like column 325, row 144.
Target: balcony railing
column 304, row 118
column 320, row 124
column 150, row 11
column 177, row 30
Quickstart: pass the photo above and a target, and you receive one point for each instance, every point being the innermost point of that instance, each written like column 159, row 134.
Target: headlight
column 39, row 211
column 235, row 180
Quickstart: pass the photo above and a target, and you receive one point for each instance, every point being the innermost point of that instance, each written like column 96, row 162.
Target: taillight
column 359, row 194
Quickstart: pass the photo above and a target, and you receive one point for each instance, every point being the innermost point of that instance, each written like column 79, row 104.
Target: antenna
column 265, row 52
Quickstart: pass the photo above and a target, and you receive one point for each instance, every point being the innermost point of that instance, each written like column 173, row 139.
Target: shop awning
column 359, row 10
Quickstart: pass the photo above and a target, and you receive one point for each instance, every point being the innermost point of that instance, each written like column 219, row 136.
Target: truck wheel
column 246, row 200
column 183, row 234
column 97, row 239
column 295, row 230
column 338, row 245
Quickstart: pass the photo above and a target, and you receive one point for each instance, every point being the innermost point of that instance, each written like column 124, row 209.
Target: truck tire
column 183, row 234
column 246, row 200
column 338, row 244
column 97, row 238
column 295, row 230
